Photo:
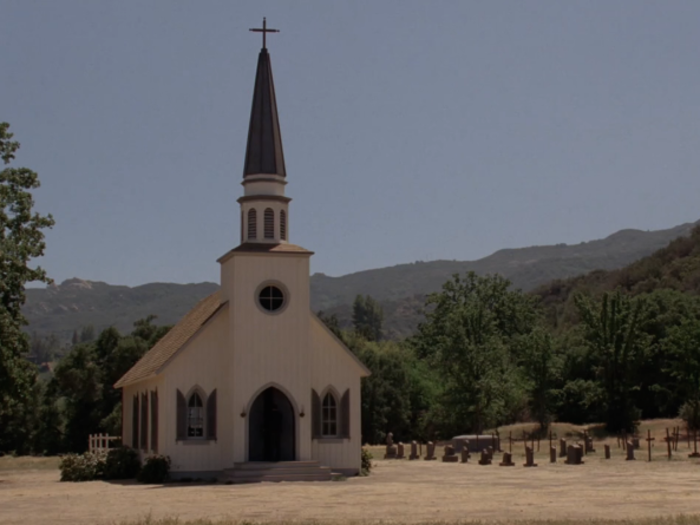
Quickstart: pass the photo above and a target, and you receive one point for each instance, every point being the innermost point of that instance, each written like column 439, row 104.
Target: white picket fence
column 100, row 442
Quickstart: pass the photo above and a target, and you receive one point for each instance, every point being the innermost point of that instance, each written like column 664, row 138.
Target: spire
column 264, row 151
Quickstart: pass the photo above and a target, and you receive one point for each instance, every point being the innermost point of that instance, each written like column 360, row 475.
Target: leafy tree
column 367, row 317
column 21, row 240
column 469, row 336
column 540, row 366
column 85, row 377
column 683, row 344
column 612, row 332
column 87, row 334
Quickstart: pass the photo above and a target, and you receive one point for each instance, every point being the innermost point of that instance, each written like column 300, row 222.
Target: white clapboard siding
column 333, row 367
column 269, row 349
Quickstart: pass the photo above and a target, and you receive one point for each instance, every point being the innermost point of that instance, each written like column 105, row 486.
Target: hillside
column 674, row 267
column 401, row 289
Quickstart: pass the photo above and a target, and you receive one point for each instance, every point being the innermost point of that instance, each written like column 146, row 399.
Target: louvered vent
column 283, row 225
column 252, row 224
column 269, row 223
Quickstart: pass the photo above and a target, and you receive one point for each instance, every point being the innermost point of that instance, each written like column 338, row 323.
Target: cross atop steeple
column 264, row 30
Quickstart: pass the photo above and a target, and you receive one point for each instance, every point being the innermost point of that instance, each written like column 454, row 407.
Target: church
column 250, row 385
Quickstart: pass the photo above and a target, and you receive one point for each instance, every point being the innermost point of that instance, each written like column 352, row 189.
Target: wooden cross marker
column 676, row 435
column 510, row 442
column 695, row 453
column 264, row 30
column 649, row 440
column 668, row 443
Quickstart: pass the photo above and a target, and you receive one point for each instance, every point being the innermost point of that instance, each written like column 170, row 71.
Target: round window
column 271, row 298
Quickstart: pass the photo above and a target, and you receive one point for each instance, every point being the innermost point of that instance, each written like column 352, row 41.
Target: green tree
column 21, row 241
column 612, row 332
column 540, row 365
column 367, row 317
column 469, row 336
column 683, row 344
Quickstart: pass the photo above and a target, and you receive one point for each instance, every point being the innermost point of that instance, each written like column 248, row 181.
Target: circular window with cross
column 272, row 297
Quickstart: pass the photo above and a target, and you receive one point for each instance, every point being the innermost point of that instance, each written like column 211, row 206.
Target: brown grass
column 673, row 520
column 11, row 463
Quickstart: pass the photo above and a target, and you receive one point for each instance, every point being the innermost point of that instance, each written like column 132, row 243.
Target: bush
column 122, row 463
column 85, row 467
column 366, row 462
column 155, row 470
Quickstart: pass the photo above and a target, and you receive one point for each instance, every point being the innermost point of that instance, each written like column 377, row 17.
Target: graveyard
column 398, row 490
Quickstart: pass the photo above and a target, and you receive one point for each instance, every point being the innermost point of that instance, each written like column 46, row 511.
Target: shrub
column 155, row 470
column 366, row 462
column 122, row 463
column 85, row 467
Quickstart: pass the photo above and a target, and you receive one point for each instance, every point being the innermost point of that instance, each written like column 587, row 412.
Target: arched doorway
column 271, row 427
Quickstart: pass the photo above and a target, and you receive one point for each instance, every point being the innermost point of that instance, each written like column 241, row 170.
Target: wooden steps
column 256, row 472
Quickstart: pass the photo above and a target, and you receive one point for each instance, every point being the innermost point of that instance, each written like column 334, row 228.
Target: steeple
column 264, row 207
column 264, row 151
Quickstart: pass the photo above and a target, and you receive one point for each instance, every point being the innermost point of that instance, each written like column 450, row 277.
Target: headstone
column 562, row 448
column 574, row 455
column 414, row 451
column 400, row 451
column 430, row 451
column 465, row 451
column 588, row 443
column 485, row 458
column 552, row 454
column 635, row 442
column 449, row 455
column 507, row 460
column 490, row 450
column 607, row 451
column 475, row 442
column 391, row 451
column 529, row 458
column 630, row 451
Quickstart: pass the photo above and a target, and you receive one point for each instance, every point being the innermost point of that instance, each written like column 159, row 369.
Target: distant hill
column 401, row 289
column 674, row 267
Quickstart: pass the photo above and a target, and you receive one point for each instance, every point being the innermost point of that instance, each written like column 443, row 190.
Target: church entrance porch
column 271, row 427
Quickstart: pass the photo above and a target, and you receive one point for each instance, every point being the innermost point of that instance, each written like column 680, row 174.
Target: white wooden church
column 250, row 385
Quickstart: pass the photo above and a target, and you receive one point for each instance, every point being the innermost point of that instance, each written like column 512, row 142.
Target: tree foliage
column 367, row 317
column 21, row 241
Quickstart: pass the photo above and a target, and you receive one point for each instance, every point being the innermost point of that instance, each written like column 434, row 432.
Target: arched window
column 283, row 225
column 269, row 223
column 195, row 416
column 252, row 224
column 329, row 416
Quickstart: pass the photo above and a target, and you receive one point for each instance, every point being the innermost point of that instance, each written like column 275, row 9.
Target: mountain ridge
column 74, row 303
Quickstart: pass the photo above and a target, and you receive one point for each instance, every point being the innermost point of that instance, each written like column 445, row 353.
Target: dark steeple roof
column 264, row 151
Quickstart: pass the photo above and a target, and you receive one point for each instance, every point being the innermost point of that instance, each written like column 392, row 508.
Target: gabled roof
column 175, row 339
column 264, row 152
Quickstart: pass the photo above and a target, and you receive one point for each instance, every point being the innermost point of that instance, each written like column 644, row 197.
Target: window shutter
column 135, row 422
column 345, row 415
column 144, row 421
column 315, row 415
column 211, row 415
column 181, row 417
column 154, row 421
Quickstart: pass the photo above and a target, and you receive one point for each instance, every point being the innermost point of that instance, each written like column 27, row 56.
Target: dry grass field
column 428, row 492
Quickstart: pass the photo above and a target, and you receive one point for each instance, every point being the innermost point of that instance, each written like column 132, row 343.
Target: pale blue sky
column 412, row 130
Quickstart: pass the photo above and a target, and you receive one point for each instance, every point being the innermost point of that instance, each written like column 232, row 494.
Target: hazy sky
column 412, row 130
